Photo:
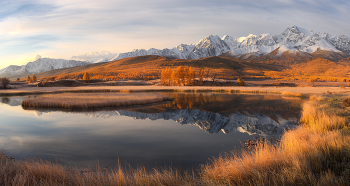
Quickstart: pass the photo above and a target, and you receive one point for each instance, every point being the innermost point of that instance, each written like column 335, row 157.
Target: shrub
column 4, row 82
column 29, row 80
column 34, row 79
column 86, row 77
column 346, row 102
column 240, row 82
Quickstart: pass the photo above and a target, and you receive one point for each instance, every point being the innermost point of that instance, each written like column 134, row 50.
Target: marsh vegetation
column 93, row 100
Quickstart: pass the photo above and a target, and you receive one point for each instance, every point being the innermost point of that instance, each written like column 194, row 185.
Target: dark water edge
column 183, row 133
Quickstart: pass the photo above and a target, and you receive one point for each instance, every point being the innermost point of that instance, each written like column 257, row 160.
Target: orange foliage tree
column 201, row 74
column 181, row 77
column 165, row 76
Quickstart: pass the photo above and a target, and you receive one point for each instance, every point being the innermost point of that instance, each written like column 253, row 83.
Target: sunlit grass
column 294, row 94
column 317, row 153
column 93, row 100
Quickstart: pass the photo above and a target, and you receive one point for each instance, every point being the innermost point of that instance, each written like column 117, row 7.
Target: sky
column 67, row 28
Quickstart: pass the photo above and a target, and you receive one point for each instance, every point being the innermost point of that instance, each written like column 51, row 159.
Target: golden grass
column 294, row 94
column 28, row 173
column 317, row 153
column 93, row 100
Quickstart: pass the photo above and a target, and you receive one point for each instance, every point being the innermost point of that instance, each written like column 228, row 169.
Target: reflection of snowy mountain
column 214, row 122
column 208, row 121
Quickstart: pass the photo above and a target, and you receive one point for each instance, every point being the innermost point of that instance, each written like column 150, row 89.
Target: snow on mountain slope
column 96, row 57
column 292, row 39
column 41, row 65
column 12, row 69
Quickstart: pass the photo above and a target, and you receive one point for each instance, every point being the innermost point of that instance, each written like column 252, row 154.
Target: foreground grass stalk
column 316, row 153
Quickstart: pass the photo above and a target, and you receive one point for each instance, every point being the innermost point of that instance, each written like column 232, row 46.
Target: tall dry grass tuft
column 321, row 117
column 28, row 173
column 294, row 94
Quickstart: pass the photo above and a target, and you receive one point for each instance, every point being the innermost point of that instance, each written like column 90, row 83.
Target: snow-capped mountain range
column 293, row 39
column 41, row 65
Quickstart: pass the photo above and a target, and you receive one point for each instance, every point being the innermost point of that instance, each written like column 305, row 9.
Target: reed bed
column 316, row 153
column 294, row 94
column 228, row 90
column 93, row 100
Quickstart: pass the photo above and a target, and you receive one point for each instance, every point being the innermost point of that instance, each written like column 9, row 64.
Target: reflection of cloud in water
column 37, row 113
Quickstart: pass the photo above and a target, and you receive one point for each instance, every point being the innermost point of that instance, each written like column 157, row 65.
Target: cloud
column 37, row 57
column 66, row 28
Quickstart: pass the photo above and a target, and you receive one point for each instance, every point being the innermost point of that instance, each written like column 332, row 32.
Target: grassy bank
column 93, row 100
column 317, row 153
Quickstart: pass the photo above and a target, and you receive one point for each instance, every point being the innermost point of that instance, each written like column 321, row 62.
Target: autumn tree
column 86, row 77
column 17, row 79
column 165, row 76
column 4, row 81
column 34, row 78
column 173, row 78
column 240, row 82
column 180, row 76
column 201, row 74
column 189, row 76
column 29, row 80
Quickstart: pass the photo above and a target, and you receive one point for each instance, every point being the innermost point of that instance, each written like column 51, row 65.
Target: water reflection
column 154, row 135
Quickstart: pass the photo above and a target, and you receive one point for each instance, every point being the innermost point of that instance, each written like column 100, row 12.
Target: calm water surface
column 183, row 133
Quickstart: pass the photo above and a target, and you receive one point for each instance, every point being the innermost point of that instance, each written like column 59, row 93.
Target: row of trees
column 30, row 80
column 183, row 76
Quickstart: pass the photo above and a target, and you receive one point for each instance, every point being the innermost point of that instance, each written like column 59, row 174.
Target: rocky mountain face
column 293, row 39
column 41, row 65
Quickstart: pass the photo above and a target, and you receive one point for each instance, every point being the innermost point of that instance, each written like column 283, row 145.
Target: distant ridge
column 40, row 65
column 293, row 39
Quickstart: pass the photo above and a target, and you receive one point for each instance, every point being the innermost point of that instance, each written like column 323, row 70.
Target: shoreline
column 302, row 91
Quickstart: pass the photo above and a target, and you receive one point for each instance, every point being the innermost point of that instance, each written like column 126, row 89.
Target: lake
column 185, row 132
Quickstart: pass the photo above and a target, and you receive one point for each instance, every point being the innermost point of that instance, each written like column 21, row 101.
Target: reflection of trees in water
column 5, row 100
column 227, row 104
column 187, row 100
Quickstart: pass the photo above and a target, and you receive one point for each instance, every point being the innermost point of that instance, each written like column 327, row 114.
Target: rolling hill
column 150, row 66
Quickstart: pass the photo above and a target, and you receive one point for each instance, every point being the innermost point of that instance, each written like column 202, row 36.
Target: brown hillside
column 151, row 66
column 318, row 69
column 288, row 58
